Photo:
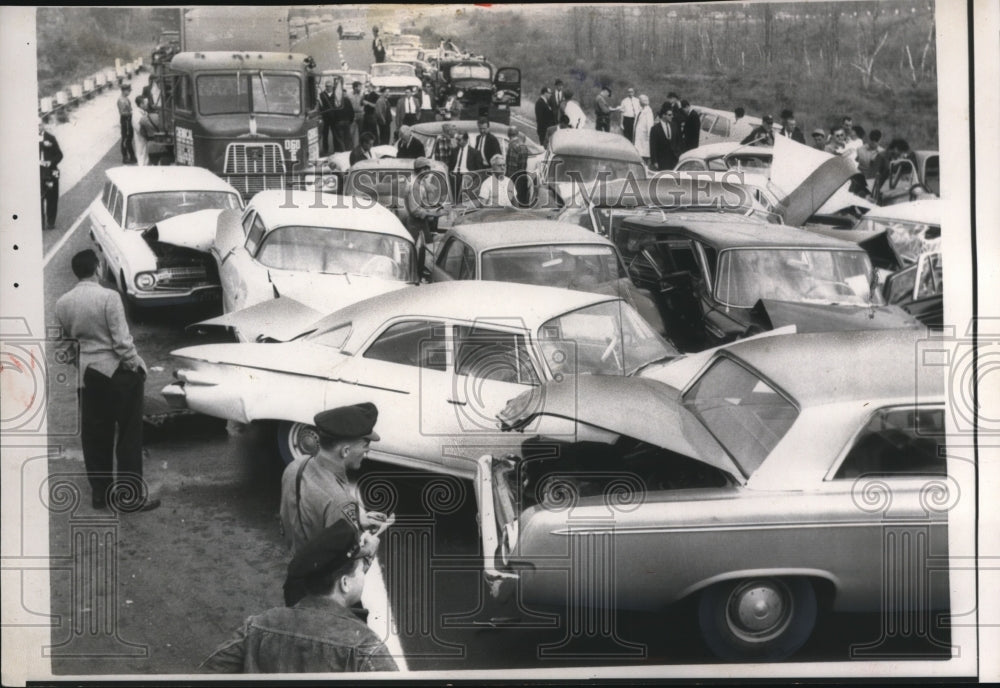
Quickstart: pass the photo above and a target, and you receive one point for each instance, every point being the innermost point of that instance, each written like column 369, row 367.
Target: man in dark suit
column 558, row 99
column 364, row 149
column 486, row 143
column 544, row 115
column 762, row 135
column 49, row 157
column 664, row 139
column 691, row 126
column 789, row 129
column 465, row 158
column 409, row 146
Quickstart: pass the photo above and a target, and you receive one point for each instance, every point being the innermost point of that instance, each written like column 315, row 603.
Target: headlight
column 145, row 280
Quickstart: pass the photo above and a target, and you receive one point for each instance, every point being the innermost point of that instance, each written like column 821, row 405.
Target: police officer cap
column 333, row 548
column 357, row 420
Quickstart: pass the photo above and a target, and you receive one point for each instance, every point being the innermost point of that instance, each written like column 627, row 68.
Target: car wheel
column 757, row 619
column 296, row 441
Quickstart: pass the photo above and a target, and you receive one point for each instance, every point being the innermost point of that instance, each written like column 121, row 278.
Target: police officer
column 319, row 629
column 316, row 491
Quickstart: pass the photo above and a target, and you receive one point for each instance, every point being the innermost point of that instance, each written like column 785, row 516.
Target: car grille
column 181, row 278
column 254, row 158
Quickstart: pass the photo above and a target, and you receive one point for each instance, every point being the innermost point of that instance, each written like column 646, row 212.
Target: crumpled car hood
column 622, row 405
column 279, row 319
column 817, row 317
column 810, row 177
column 191, row 230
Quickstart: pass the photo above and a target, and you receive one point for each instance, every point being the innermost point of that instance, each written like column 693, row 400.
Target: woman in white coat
column 138, row 137
column 643, row 123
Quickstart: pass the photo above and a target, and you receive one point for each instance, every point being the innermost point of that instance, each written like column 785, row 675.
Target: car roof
column 735, row 231
column 389, row 163
column 729, row 114
column 724, row 148
column 831, row 367
column 280, row 208
column 140, row 179
column 927, row 211
column 391, row 64
column 498, row 129
column 237, row 59
column 497, row 302
column 672, row 189
column 593, row 144
column 486, row 236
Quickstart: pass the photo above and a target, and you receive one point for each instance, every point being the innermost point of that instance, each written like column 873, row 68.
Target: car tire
column 757, row 619
column 296, row 441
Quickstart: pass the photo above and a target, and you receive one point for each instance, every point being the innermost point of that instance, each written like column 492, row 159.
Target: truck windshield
column 471, row 72
column 239, row 92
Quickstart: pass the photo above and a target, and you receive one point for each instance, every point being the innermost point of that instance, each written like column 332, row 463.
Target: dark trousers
column 541, row 131
column 628, row 128
column 128, row 150
column 105, row 403
column 50, row 200
column 342, row 137
column 603, row 124
column 327, row 137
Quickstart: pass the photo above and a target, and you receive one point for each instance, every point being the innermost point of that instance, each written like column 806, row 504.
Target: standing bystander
column 630, row 110
column 643, row 127
column 517, row 164
column 125, row 122
column 113, row 377
column 603, row 110
column 544, row 114
column 49, row 157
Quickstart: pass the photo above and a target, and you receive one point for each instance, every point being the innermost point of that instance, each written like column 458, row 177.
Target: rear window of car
column 745, row 414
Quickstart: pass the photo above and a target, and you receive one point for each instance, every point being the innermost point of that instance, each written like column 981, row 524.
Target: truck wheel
column 296, row 441
column 757, row 619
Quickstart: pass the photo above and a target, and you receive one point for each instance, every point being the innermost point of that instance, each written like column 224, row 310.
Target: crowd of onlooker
column 661, row 137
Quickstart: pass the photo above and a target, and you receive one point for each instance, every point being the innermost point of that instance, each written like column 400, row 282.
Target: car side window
column 720, row 127
column 932, row 174
column 109, row 190
column 707, row 121
column 248, row 221
column 493, row 355
column 118, row 207
column 184, row 91
column 419, row 343
column 458, row 260
column 682, row 256
column 691, row 165
column 898, row 441
column 255, row 235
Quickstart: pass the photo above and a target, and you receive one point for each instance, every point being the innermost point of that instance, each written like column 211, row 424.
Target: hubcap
column 759, row 610
column 305, row 441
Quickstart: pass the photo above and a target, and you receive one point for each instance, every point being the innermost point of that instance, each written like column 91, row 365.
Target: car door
column 237, row 269
column 402, row 370
column 457, row 261
column 100, row 219
column 113, row 234
column 507, row 85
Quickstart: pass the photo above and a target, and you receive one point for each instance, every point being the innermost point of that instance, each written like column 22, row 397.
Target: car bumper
column 208, row 294
column 498, row 581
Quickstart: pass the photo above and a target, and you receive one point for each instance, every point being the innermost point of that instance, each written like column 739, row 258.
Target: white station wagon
column 153, row 259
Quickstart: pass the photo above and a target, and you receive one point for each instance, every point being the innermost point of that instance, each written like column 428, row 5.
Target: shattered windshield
column 799, row 275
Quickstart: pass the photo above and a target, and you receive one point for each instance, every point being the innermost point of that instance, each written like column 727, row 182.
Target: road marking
column 65, row 237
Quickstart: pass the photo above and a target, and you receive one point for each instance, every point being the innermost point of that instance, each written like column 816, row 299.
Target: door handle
column 458, row 402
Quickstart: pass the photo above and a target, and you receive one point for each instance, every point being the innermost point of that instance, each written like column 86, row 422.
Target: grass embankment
column 717, row 60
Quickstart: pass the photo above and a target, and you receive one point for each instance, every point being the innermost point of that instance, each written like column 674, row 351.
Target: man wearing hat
column 819, row 138
column 318, row 630
column 316, row 491
column 125, row 122
column 762, row 135
column 409, row 146
column 425, row 202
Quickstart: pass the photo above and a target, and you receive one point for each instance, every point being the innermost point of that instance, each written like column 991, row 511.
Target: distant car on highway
column 155, row 257
column 396, row 77
column 439, row 361
column 323, row 250
column 773, row 488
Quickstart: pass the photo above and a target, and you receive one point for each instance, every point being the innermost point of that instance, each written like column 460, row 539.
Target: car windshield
column 908, row 239
column 383, row 69
column 575, row 168
column 608, row 338
column 800, row 275
column 743, row 412
column 481, row 72
column 580, row 267
column 330, row 250
column 147, row 209
column 240, row 92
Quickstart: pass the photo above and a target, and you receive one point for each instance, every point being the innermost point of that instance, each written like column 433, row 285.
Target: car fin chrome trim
column 617, row 530
column 488, row 523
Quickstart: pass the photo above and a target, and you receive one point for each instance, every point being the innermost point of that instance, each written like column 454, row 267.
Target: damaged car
column 720, row 277
column 439, row 361
column 151, row 245
column 728, row 502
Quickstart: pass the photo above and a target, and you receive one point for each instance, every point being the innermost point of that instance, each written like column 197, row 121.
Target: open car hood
column 820, row 317
column 191, row 230
column 624, row 406
column 813, row 176
column 280, row 320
